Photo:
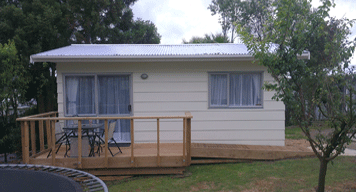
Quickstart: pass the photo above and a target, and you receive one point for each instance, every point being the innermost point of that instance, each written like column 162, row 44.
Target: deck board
column 248, row 152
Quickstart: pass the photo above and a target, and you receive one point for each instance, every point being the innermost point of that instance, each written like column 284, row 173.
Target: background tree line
column 31, row 26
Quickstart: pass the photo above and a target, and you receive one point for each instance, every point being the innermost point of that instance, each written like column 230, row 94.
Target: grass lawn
column 294, row 132
column 285, row 175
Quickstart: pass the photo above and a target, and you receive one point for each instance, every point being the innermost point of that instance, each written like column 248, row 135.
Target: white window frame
column 228, row 90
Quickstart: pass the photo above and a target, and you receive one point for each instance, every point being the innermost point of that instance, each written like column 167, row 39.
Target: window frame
column 96, row 93
column 228, row 73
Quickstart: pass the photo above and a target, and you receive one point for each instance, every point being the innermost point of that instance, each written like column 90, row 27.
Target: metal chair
column 61, row 138
column 101, row 139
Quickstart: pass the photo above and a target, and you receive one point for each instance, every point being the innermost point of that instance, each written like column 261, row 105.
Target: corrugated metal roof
column 143, row 52
column 147, row 50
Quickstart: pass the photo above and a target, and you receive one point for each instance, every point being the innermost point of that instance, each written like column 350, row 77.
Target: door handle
column 129, row 108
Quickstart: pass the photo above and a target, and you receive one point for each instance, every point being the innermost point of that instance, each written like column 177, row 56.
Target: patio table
column 88, row 130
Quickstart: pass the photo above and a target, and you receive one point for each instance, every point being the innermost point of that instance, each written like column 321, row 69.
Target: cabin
column 220, row 85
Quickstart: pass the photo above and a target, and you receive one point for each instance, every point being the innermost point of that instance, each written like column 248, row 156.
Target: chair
column 101, row 139
column 61, row 138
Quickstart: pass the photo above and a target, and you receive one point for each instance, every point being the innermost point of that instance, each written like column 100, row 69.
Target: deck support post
column 132, row 143
column 26, row 147
column 106, row 142
column 53, row 144
column 80, row 144
column 33, row 137
column 41, row 135
column 158, row 157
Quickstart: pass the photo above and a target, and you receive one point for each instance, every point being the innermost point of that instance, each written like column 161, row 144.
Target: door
column 114, row 97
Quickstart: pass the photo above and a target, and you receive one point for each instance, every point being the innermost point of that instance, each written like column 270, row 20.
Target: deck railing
column 31, row 125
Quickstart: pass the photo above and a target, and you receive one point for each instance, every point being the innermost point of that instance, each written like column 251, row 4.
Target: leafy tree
column 320, row 82
column 109, row 21
column 218, row 38
column 41, row 25
column 140, row 32
column 251, row 14
column 13, row 86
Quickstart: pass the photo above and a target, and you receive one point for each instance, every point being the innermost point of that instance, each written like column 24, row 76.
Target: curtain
column 218, row 90
column 245, row 89
column 114, row 98
column 80, row 95
column 71, row 95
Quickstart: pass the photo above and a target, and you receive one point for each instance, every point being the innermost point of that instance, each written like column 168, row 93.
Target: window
column 100, row 95
column 80, row 95
column 235, row 89
column 95, row 95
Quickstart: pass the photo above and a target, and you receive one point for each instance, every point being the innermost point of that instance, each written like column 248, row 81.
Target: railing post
column 79, row 143
column 189, row 140
column 106, row 143
column 48, row 133
column 53, row 144
column 26, row 150
column 184, row 140
column 33, row 137
column 132, row 143
column 41, row 135
column 158, row 157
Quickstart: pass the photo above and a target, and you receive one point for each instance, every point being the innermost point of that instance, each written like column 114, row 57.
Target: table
column 88, row 130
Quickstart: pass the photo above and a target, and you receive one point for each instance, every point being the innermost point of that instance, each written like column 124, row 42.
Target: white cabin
column 218, row 83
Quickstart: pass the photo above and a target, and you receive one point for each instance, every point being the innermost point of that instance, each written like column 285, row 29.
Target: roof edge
column 88, row 58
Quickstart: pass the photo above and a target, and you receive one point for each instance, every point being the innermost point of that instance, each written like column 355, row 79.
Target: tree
column 13, row 86
column 251, row 14
column 217, row 38
column 324, row 82
column 41, row 25
column 109, row 21
column 141, row 32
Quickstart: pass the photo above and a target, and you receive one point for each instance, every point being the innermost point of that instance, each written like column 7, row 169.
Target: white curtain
column 245, row 89
column 80, row 95
column 71, row 91
column 218, row 89
column 114, row 98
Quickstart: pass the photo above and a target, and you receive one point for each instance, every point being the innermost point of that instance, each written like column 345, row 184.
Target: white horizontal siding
column 173, row 88
column 170, row 97
column 231, row 135
column 164, row 87
column 176, row 125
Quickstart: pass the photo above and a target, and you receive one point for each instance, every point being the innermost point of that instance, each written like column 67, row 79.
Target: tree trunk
column 322, row 174
column 5, row 157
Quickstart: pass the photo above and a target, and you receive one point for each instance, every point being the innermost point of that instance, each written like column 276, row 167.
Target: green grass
column 285, row 175
column 294, row 132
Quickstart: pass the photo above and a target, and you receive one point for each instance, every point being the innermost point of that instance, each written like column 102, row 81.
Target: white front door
column 114, row 95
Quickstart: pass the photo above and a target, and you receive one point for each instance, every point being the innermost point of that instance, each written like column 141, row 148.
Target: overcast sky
column 182, row 19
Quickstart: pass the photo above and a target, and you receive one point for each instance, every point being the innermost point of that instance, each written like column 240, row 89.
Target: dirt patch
column 203, row 186
column 264, row 185
column 300, row 144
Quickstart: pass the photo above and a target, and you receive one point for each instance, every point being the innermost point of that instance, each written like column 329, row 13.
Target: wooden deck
column 139, row 158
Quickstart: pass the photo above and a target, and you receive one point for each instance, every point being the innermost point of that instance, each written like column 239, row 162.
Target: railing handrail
column 38, row 115
column 29, row 118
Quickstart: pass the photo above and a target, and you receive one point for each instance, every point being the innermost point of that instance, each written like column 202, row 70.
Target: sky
column 182, row 19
